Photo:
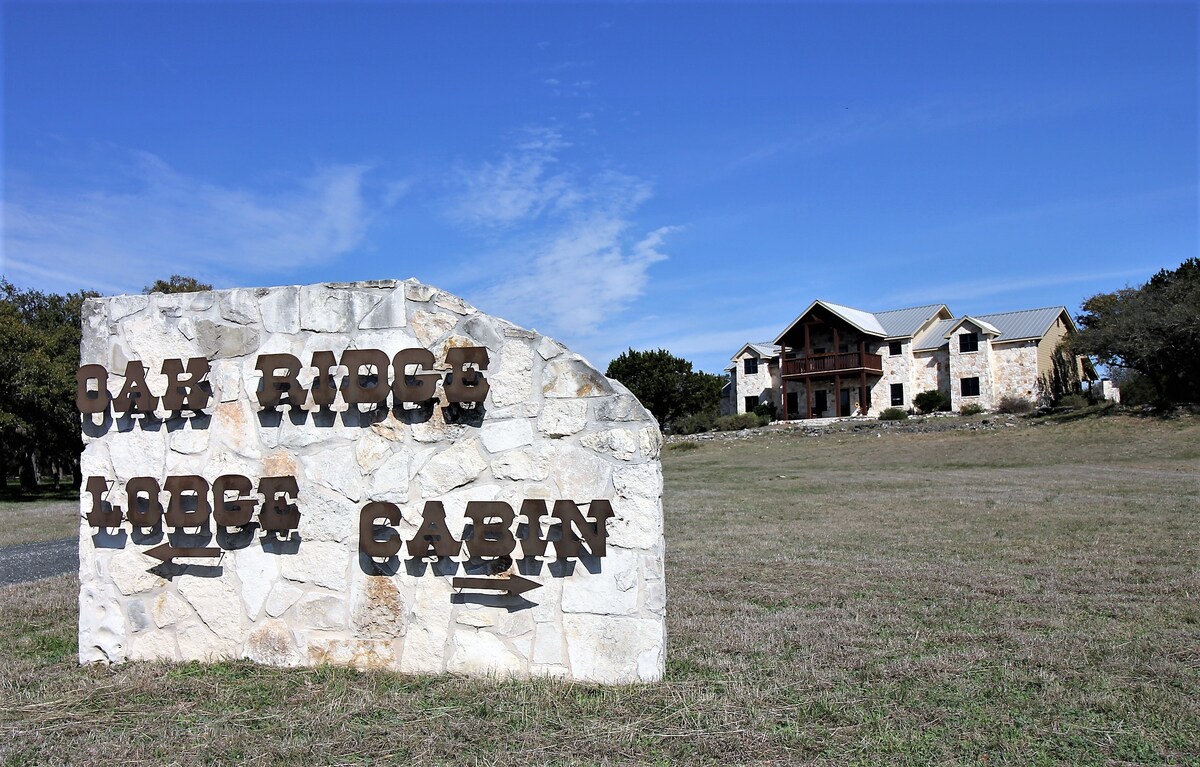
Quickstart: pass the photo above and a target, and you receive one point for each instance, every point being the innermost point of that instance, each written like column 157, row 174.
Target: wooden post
column 808, row 395
column 783, row 381
column 862, row 395
column 837, row 386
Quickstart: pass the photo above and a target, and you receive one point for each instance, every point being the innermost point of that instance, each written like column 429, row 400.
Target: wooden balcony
column 828, row 364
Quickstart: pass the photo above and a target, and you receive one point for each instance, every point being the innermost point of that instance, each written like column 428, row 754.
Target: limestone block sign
column 374, row 474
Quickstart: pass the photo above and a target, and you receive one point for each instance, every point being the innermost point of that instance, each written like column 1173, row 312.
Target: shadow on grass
column 12, row 492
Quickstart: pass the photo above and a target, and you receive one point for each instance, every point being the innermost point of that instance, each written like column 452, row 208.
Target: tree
column 177, row 284
column 1153, row 329
column 666, row 384
column 39, row 426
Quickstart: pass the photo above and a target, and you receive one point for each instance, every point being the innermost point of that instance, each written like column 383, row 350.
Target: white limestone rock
column 390, row 312
column 512, row 381
column 573, row 377
column 321, row 611
column 217, row 603
column 621, row 444
column 615, row 650
column 454, row 467
column 280, row 309
column 498, row 436
column 257, row 571
column 281, row 597
column 482, row 653
column 167, row 609
column 272, row 643
column 562, row 418
column 324, row 309
column 317, row 563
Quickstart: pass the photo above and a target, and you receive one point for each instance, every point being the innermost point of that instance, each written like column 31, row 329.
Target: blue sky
column 687, row 176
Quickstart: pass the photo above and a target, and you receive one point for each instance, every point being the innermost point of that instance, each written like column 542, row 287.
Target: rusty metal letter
column 323, row 387
column 355, row 389
column 152, row 515
column 533, row 544
column 465, row 384
column 274, row 386
column 278, row 513
column 595, row 533
column 103, row 514
column 490, row 539
column 135, row 396
column 367, row 542
column 177, row 486
column 418, row 387
column 433, row 538
column 91, row 401
column 189, row 394
column 236, row 512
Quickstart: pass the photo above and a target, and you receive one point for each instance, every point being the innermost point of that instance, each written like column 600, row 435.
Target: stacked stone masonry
column 552, row 427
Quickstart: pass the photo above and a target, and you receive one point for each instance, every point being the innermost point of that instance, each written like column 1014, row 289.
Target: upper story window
column 751, row 365
column 968, row 342
column 895, row 348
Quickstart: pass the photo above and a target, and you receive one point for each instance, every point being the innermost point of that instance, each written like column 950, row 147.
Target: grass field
column 1020, row 596
column 42, row 517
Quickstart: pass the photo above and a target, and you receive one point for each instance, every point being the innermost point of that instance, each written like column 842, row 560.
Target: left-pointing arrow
column 166, row 552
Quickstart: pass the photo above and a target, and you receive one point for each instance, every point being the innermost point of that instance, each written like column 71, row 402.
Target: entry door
column 793, row 405
column 844, row 402
column 820, row 402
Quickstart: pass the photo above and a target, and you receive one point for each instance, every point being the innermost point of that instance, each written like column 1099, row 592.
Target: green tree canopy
column 666, row 384
column 40, row 334
column 178, row 283
column 1153, row 329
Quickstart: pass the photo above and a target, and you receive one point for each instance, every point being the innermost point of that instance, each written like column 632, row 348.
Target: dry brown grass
column 29, row 521
column 1024, row 596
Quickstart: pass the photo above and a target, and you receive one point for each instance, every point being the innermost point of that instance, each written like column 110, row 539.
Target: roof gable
column 760, row 349
column 856, row 318
column 906, row 323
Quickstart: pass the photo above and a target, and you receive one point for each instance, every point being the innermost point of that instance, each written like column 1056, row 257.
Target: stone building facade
column 835, row 360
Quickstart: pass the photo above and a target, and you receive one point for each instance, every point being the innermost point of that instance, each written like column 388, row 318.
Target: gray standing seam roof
column 903, row 323
column 1030, row 323
column 1013, row 326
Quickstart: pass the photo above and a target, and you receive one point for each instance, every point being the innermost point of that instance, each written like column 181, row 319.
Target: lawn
column 44, row 515
column 1014, row 596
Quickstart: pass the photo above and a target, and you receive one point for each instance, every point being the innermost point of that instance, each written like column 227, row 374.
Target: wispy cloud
column 966, row 290
column 166, row 222
column 573, row 253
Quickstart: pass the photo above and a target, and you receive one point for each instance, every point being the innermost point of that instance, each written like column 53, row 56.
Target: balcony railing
column 832, row 363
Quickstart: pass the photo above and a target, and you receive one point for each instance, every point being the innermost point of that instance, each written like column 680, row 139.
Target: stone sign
column 373, row 474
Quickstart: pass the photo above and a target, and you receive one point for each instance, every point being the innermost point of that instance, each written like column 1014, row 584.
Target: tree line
column 1148, row 335
column 40, row 429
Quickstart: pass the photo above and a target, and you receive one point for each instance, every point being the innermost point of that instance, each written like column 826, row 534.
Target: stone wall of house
column 931, row 370
column 1015, row 371
column 897, row 369
column 551, row 427
column 763, row 384
column 969, row 365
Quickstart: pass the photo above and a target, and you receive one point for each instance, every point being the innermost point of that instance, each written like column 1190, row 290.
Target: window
column 970, row 387
column 898, row 395
column 751, row 365
column 895, row 348
column 751, row 403
column 968, row 342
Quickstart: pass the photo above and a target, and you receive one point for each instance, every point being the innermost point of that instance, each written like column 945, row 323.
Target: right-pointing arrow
column 513, row 584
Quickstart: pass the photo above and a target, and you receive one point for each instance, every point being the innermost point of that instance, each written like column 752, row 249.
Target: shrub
column 893, row 414
column 740, row 421
column 682, row 447
column 766, row 410
column 694, row 424
column 1073, row 400
column 1011, row 404
column 931, row 400
column 971, row 408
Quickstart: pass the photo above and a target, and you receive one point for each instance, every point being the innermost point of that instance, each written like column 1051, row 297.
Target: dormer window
column 968, row 342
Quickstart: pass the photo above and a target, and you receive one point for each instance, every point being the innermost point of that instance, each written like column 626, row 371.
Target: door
column 844, row 402
column 793, row 404
column 820, row 403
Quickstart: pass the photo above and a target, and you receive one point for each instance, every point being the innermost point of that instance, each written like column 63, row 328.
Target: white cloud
column 165, row 222
column 570, row 249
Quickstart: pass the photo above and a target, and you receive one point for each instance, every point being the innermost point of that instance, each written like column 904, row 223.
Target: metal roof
column 987, row 327
column 904, row 323
column 935, row 336
column 1009, row 326
column 1029, row 323
column 761, row 348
